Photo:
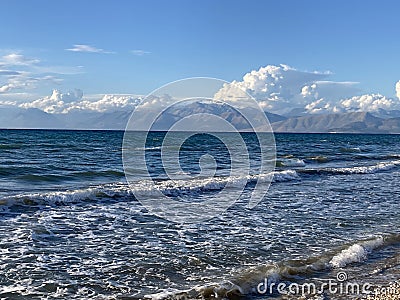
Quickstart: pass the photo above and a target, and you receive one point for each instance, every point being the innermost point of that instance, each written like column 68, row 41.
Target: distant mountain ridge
column 352, row 122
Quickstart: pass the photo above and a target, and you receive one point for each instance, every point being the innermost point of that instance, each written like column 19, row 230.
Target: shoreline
column 386, row 292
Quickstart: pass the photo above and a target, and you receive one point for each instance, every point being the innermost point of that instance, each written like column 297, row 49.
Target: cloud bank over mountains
column 279, row 89
column 62, row 103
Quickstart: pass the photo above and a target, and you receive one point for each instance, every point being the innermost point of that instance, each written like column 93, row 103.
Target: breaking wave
column 246, row 281
column 120, row 190
column 291, row 162
column 379, row 167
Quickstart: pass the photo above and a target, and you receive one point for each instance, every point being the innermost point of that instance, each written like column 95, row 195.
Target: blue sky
column 355, row 40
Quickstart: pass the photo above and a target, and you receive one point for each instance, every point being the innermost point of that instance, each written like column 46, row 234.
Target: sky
column 133, row 47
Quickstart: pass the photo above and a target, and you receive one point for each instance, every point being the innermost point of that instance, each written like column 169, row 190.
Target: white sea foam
column 293, row 162
column 287, row 175
column 355, row 253
column 148, row 188
column 382, row 166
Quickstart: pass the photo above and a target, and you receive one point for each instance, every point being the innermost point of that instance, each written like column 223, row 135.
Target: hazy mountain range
column 296, row 121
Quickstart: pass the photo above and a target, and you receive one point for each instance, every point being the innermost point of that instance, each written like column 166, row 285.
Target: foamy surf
column 379, row 167
column 172, row 188
column 288, row 271
column 291, row 162
column 176, row 188
column 356, row 253
column 369, row 169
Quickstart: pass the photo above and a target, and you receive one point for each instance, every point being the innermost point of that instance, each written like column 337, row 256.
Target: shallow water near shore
column 71, row 227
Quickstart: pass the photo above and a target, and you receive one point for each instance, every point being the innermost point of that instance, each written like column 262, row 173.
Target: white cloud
column 106, row 103
column 9, row 73
column 19, row 73
column 5, row 88
column 88, row 48
column 56, row 103
column 140, row 52
column 15, row 59
column 18, row 82
column 280, row 89
column 331, row 90
column 60, row 102
column 8, row 103
column 367, row 103
column 329, row 101
column 277, row 88
column 24, row 81
column 372, row 102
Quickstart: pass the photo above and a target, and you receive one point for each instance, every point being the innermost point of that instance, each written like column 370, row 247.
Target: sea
column 71, row 227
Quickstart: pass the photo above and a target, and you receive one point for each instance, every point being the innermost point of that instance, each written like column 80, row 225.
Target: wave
column 175, row 188
column 247, row 281
column 172, row 188
column 287, row 175
column 319, row 159
column 148, row 148
column 290, row 162
column 350, row 149
column 120, row 190
column 379, row 167
column 356, row 253
column 357, row 157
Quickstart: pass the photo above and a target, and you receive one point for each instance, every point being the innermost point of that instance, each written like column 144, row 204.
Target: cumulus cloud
column 275, row 87
column 280, row 89
column 87, row 48
column 56, row 103
column 106, row 103
column 372, row 102
column 329, row 102
column 60, row 102
column 329, row 90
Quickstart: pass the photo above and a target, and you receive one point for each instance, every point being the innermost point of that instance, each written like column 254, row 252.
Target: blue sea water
column 71, row 228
